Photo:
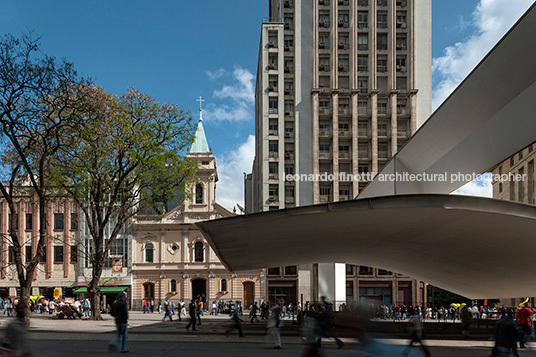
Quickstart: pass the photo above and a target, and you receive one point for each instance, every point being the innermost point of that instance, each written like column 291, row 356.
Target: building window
column 198, row 250
column 512, row 161
column 363, row 270
column 58, row 221
column 291, row 270
column 384, row 272
column 273, row 148
column 500, row 170
column 530, row 148
column 382, row 42
column 349, row 269
column 289, row 170
column 500, row 187
column 29, row 221
column 74, row 221
column 11, row 254
column 149, row 253
column 273, row 169
column 381, row 20
column 223, row 285
column 521, row 155
column 74, row 254
column 362, row 19
column 29, row 253
column 199, row 193
column 274, row 271
column 173, row 285
column 323, row 41
column 362, row 63
column 16, row 218
column 58, row 254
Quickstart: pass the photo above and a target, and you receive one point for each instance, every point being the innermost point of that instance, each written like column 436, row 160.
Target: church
column 170, row 257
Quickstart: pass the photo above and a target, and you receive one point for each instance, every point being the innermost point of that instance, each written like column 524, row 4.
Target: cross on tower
column 200, row 103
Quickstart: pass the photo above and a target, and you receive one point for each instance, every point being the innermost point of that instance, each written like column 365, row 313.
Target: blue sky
column 180, row 50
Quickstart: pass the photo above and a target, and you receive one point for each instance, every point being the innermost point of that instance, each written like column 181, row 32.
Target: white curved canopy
column 477, row 247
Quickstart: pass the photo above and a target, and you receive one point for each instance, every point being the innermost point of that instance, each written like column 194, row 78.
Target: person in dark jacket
column 120, row 312
column 192, row 307
column 505, row 335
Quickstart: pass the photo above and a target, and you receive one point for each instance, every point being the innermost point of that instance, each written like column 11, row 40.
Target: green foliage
column 445, row 298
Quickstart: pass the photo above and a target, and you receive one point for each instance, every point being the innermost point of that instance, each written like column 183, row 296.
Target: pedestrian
column 167, row 310
column 192, row 312
column 416, row 333
column 253, row 312
column 120, row 312
column 505, row 335
column 198, row 311
column 159, row 306
column 173, row 308
column 214, row 308
column 524, row 322
column 275, row 324
column 201, row 306
column 87, row 308
column 148, row 306
column 237, row 324
column 16, row 334
column 144, row 306
column 9, row 307
column 466, row 317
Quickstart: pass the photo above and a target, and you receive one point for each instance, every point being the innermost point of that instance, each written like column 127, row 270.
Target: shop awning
column 103, row 289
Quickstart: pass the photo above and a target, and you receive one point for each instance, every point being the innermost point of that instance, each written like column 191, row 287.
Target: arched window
column 198, row 251
column 149, row 253
column 199, row 193
column 173, row 285
column 223, row 285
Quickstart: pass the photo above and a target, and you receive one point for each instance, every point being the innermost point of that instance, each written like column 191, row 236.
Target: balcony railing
column 362, row 25
column 383, row 154
column 344, row 155
column 324, row 198
column 344, row 133
column 273, row 155
column 381, row 25
column 362, row 46
column 272, row 132
column 324, row 155
column 363, row 132
column 402, row 134
column 383, row 133
column 362, row 68
column 363, row 155
column 344, row 110
column 344, row 197
column 382, row 111
column 362, row 2
column 381, row 68
column 324, row 133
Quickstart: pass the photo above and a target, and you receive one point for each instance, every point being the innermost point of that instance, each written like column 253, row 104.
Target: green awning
column 103, row 289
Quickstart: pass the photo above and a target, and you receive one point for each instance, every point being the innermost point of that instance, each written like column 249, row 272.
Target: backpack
column 113, row 310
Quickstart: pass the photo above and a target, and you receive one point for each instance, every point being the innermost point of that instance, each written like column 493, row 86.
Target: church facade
column 171, row 258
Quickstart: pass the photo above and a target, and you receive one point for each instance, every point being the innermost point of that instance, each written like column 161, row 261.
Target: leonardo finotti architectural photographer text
column 407, row 177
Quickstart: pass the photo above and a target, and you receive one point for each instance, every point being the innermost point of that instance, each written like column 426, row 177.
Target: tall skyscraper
column 341, row 86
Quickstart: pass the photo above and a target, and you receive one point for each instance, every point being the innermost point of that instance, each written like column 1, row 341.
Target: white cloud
column 231, row 170
column 239, row 97
column 216, row 74
column 492, row 19
column 243, row 91
column 480, row 187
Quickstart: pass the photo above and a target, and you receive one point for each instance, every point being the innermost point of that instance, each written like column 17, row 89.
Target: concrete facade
column 341, row 85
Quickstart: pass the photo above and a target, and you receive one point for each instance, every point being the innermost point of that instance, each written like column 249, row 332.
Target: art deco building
column 341, row 86
column 172, row 259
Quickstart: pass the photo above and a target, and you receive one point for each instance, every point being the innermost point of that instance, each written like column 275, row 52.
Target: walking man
column 416, row 333
column 192, row 312
column 524, row 323
column 274, row 324
column 167, row 310
column 254, row 309
column 237, row 324
column 120, row 312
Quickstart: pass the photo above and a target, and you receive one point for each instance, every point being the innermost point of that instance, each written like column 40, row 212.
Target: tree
column 36, row 105
column 126, row 156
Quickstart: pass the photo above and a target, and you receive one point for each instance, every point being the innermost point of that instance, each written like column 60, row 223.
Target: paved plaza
column 149, row 336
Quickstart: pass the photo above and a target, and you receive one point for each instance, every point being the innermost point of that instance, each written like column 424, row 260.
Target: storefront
column 110, row 286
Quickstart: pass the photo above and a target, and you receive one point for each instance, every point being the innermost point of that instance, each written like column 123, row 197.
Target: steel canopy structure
column 477, row 247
